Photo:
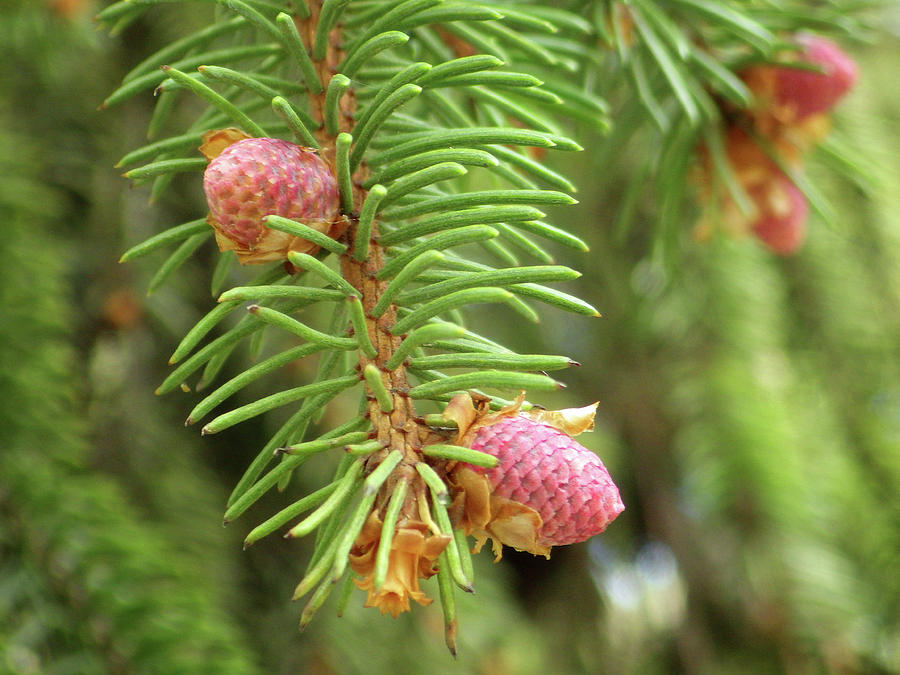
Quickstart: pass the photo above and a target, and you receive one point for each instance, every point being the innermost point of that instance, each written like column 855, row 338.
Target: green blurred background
column 749, row 411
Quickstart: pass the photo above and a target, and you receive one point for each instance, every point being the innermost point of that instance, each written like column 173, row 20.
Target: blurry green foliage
column 750, row 410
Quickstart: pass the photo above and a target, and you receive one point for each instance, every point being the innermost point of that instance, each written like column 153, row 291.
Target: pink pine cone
column 258, row 177
column 809, row 92
column 547, row 470
column 781, row 223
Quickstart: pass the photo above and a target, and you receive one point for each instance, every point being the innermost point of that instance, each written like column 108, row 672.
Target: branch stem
column 394, row 420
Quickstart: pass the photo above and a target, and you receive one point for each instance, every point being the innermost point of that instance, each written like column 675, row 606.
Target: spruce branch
column 386, row 254
column 683, row 75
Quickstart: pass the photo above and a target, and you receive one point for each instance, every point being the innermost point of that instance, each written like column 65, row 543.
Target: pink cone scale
column 548, row 471
column 808, row 92
column 258, row 177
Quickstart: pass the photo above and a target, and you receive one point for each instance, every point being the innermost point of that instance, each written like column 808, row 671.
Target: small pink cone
column 807, row 92
column 782, row 212
column 257, row 177
column 545, row 469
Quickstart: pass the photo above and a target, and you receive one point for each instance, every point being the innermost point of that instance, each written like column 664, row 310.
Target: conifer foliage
column 394, row 104
column 384, row 163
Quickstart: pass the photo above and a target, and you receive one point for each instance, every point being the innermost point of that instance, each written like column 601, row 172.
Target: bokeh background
column 749, row 411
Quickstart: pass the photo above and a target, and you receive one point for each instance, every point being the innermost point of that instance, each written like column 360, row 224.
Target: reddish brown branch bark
column 397, row 429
